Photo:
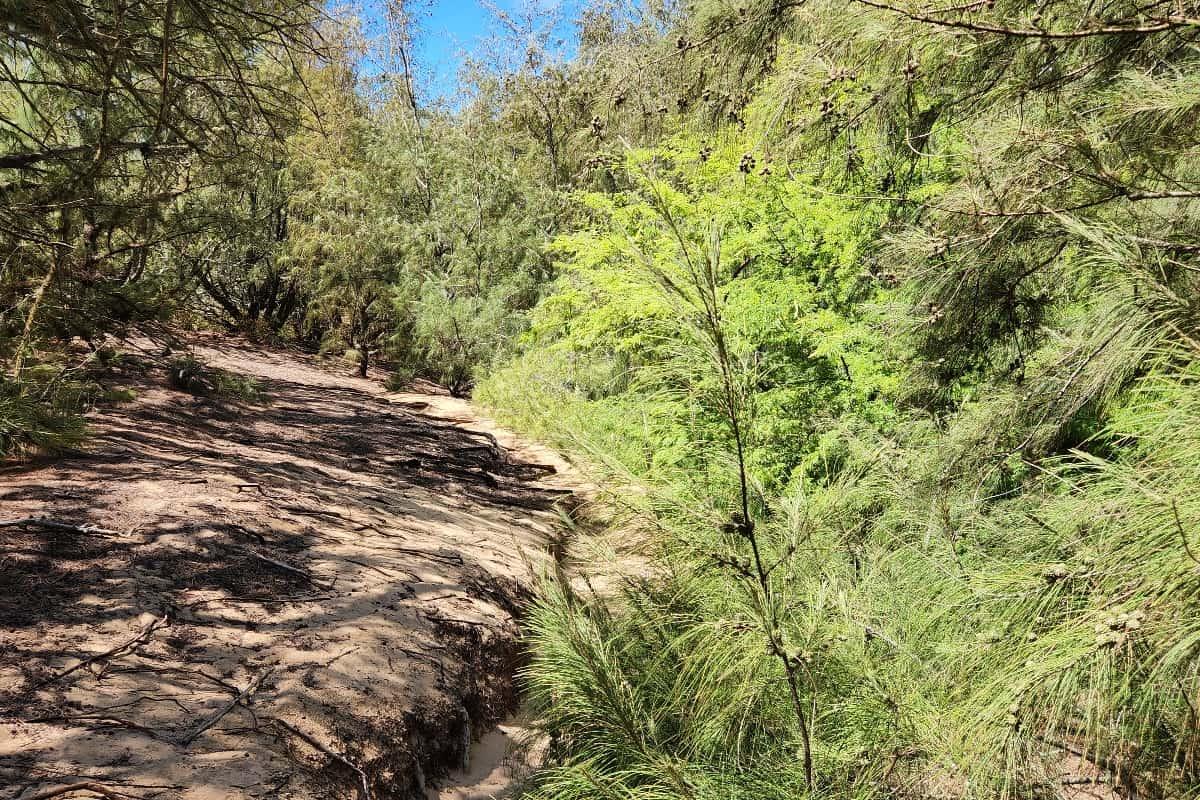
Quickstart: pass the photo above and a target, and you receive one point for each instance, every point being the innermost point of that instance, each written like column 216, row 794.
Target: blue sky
column 450, row 29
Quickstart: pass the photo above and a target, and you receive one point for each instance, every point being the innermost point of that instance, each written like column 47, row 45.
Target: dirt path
column 309, row 598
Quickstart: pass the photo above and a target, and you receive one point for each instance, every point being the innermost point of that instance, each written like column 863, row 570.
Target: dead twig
column 83, row 786
column 384, row 572
column 224, row 684
column 241, row 697
column 187, row 460
column 364, row 786
column 55, row 525
column 544, row 469
column 312, row 598
column 445, row 557
column 444, row 619
column 288, row 567
column 312, row 512
column 1182, row 536
column 141, row 637
column 342, row 655
column 99, row 717
column 417, row 654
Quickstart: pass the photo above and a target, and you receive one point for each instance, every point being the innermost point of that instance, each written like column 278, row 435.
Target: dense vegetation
column 880, row 319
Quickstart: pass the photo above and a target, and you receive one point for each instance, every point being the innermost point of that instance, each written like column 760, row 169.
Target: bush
column 39, row 416
column 193, row 376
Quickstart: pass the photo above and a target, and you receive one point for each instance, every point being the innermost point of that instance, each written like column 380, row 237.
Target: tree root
column 364, row 786
column 242, row 697
column 83, row 786
column 141, row 637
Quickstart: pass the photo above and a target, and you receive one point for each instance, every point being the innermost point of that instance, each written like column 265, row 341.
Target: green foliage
column 415, row 234
column 40, row 413
column 798, row 316
column 960, row 319
column 192, row 375
column 116, row 127
column 881, row 318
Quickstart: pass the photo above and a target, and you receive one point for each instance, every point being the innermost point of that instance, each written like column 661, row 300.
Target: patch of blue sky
column 449, row 33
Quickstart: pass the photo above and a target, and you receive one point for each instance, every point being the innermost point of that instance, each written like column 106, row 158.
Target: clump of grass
column 39, row 415
column 120, row 395
column 193, row 376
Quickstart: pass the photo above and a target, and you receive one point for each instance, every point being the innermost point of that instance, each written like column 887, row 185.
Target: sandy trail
column 313, row 597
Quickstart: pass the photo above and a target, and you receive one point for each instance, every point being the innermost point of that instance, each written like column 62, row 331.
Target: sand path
column 311, row 597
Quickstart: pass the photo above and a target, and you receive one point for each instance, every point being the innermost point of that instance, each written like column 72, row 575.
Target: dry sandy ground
column 311, row 597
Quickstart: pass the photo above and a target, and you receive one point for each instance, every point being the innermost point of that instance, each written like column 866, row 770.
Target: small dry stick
column 338, row 757
column 242, row 697
column 290, row 568
column 84, row 786
column 1182, row 535
column 100, row 717
column 447, row 557
column 384, row 572
column 55, row 525
column 141, row 637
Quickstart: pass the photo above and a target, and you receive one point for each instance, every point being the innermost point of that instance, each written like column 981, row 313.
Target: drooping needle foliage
column 878, row 320
column 958, row 280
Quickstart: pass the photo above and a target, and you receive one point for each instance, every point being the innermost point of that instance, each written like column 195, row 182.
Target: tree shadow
column 373, row 559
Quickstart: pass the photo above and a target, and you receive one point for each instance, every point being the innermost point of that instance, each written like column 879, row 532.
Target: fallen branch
column 141, row 637
column 290, row 568
column 55, row 525
column 364, row 788
column 84, row 786
column 384, row 572
column 312, row 598
column 240, row 698
column 99, row 717
column 446, row 557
